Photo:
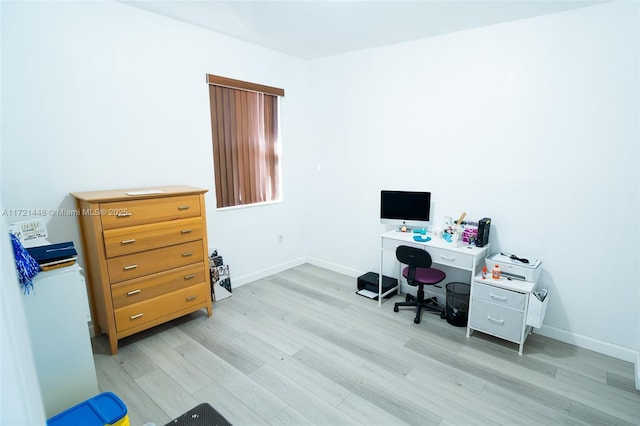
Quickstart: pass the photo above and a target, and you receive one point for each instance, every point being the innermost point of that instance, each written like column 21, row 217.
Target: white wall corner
column 246, row 279
column 335, row 267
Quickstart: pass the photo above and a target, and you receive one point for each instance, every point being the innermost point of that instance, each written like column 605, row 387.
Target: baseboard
column 585, row 342
column 335, row 267
column 638, row 370
column 238, row 281
column 246, row 279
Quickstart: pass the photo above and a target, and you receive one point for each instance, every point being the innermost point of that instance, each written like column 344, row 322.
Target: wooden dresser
column 145, row 252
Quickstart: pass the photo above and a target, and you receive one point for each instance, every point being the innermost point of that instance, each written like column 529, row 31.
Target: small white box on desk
column 537, row 309
column 515, row 268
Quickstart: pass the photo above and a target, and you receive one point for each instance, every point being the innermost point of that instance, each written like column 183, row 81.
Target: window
column 245, row 137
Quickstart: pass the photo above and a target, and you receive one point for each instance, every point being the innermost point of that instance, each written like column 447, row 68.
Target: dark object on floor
column 419, row 272
column 202, row 415
column 369, row 281
column 457, row 310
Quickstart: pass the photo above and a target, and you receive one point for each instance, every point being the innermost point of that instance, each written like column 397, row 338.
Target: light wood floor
column 301, row 348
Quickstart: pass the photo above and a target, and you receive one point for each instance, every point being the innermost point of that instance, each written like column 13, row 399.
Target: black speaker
column 483, row 232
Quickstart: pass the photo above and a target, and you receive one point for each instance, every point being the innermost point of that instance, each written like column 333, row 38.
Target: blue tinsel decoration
column 25, row 263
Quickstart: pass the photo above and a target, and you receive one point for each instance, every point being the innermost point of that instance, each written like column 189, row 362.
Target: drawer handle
column 131, row 241
column 495, row 320
column 496, row 297
column 131, row 293
column 187, row 254
column 186, row 231
column 124, row 214
column 184, row 207
column 190, row 298
column 447, row 258
column 188, row 277
column 136, row 316
column 130, row 267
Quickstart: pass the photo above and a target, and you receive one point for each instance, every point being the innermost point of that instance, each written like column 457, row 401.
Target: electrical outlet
column 280, row 238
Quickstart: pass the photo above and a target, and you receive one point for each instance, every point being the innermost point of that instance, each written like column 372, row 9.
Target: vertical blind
column 244, row 128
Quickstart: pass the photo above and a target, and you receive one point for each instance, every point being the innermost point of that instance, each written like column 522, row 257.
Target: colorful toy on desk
column 421, row 238
column 448, row 237
column 420, row 231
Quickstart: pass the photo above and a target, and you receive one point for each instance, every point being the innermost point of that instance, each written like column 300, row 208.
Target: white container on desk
column 58, row 330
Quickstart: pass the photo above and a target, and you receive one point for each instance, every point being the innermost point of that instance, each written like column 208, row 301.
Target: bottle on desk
column 495, row 273
column 484, row 272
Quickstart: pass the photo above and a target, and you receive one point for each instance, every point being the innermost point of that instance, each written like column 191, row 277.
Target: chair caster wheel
column 443, row 315
column 407, row 298
column 416, row 320
column 395, row 309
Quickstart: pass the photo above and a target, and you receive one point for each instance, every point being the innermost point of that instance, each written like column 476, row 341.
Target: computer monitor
column 405, row 208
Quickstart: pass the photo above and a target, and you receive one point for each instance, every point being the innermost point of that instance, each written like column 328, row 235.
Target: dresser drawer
column 119, row 241
column 119, row 214
column 135, row 265
column 496, row 320
column 499, row 296
column 143, row 288
column 169, row 304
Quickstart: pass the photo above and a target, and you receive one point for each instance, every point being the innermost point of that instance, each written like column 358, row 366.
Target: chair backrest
column 413, row 257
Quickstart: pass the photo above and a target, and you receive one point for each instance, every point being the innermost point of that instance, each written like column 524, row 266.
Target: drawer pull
column 496, row 297
column 130, row 267
column 184, row 207
column 186, row 231
column 131, row 293
column 131, row 241
column 188, row 277
column 448, row 258
column 495, row 320
column 187, row 254
column 190, row 298
column 124, row 214
column 136, row 316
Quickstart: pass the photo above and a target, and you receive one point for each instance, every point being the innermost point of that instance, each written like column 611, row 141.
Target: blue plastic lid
column 103, row 409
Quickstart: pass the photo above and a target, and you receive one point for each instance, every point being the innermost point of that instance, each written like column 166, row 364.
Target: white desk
column 456, row 255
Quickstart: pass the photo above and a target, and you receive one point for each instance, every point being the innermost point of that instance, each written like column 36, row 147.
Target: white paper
column 367, row 293
column 145, row 192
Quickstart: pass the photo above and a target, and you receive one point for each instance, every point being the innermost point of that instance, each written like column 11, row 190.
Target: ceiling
column 310, row 29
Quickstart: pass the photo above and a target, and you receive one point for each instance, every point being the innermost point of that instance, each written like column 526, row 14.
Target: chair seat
column 426, row 275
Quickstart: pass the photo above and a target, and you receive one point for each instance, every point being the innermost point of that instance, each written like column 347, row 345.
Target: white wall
column 533, row 123
column 101, row 95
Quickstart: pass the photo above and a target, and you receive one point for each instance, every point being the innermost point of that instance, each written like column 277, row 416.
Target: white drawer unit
column 497, row 320
column 501, row 308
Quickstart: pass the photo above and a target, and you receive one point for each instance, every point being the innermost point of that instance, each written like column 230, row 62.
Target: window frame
column 245, row 136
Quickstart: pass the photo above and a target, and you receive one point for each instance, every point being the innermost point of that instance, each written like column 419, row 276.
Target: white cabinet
column 57, row 322
column 504, row 308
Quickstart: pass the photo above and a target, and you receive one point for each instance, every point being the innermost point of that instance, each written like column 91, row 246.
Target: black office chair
column 419, row 272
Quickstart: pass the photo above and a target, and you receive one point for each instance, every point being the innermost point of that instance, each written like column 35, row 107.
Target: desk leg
column 380, row 274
